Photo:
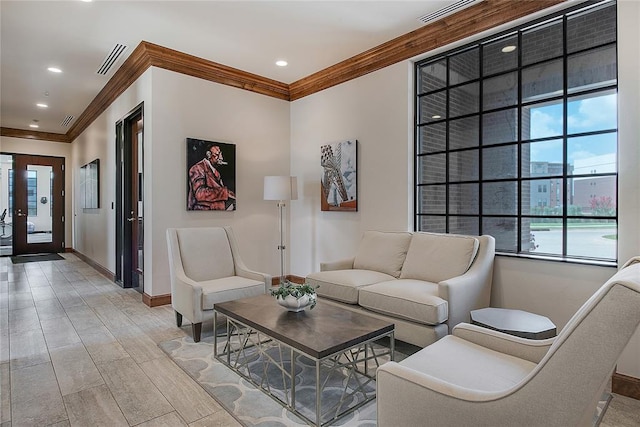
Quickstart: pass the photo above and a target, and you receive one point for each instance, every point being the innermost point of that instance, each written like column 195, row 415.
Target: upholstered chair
column 205, row 269
column 481, row 377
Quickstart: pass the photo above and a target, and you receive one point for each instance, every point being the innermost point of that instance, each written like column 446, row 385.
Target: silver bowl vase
column 294, row 304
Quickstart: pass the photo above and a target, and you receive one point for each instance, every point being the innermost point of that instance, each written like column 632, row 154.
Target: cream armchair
column 205, row 269
column 482, row 377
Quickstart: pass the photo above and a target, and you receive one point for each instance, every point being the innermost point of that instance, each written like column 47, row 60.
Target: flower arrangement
column 296, row 291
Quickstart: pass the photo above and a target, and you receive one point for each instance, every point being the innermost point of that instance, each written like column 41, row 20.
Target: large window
column 516, row 137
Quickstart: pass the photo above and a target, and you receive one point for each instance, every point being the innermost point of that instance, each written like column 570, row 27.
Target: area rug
column 21, row 259
column 249, row 405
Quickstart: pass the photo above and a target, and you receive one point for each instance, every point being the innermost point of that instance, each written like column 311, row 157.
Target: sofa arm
column 343, row 264
column 531, row 350
column 255, row 275
column 412, row 398
column 471, row 290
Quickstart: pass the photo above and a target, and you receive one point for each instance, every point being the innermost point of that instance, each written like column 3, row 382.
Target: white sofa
column 426, row 283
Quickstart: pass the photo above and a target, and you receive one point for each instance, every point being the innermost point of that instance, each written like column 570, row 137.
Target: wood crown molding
column 468, row 22
column 458, row 26
column 194, row 66
column 29, row 134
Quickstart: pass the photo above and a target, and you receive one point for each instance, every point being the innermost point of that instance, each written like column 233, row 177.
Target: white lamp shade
column 280, row 188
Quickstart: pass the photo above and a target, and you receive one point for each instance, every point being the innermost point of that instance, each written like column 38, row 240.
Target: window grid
column 523, row 138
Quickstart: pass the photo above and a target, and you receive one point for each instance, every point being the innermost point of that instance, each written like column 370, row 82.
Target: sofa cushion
column 436, row 257
column 413, row 300
column 382, row 251
column 229, row 289
column 343, row 285
column 469, row 366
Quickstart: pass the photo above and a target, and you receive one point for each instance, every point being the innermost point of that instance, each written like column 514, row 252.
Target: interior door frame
column 20, row 205
column 127, row 274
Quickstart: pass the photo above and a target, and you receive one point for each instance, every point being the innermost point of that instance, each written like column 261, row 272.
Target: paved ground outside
column 588, row 242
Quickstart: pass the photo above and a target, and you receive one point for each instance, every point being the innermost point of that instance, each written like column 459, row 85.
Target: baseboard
column 275, row 281
column 156, row 300
column 625, row 385
column 109, row 275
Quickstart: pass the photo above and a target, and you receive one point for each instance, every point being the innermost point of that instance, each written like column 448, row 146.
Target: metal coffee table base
column 271, row 366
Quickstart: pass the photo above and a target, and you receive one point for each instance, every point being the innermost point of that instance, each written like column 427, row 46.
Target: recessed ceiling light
column 436, row 117
column 87, row 1
column 41, row 105
column 33, row 126
column 54, row 69
column 509, row 48
column 281, row 63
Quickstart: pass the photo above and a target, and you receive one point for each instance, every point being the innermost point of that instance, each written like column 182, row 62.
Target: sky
column 584, row 115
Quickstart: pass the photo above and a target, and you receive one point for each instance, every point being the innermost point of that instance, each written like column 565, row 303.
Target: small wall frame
column 90, row 184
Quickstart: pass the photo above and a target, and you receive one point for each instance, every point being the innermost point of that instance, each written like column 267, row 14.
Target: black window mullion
column 519, row 142
column 446, row 145
column 481, row 113
column 565, row 145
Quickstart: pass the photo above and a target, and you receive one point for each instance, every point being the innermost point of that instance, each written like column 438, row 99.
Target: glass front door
column 37, row 206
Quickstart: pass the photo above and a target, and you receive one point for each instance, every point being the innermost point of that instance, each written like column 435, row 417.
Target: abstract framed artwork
column 211, row 175
column 339, row 176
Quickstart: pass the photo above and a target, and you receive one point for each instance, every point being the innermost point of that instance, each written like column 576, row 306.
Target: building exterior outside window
column 516, row 136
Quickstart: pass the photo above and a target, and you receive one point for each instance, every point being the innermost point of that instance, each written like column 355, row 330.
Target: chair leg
column 178, row 319
column 196, row 329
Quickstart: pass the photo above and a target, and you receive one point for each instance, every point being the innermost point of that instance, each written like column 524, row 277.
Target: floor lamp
column 281, row 188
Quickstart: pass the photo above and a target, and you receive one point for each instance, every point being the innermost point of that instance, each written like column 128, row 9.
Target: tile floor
column 77, row 350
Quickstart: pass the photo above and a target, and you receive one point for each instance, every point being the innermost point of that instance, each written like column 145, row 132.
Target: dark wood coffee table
column 263, row 338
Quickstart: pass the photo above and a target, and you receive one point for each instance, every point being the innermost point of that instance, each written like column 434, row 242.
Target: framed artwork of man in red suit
column 211, row 175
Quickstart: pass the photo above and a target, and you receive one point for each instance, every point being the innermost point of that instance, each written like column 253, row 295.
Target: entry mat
column 21, row 259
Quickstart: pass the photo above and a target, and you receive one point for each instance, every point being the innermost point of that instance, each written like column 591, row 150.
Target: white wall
column 377, row 110
column 185, row 107
column 629, row 154
column 94, row 229
column 53, row 149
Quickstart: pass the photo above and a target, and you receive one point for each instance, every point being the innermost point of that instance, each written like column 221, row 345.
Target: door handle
column 19, row 213
column 131, row 219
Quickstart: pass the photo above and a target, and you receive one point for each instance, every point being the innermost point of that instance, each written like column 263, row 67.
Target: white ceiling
column 248, row 35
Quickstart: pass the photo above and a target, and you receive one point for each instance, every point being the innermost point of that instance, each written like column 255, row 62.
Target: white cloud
column 543, row 124
column 593, row 114
column 579, row 155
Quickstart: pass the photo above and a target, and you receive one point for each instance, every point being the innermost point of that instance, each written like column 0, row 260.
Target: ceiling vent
column 448, row 10
column 111, row 59
column 66, row 121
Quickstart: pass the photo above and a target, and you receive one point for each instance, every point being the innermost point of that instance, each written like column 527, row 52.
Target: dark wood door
column 129, row 201
column 38, row 208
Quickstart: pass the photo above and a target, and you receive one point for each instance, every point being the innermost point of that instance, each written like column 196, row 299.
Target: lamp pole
column 281, row 247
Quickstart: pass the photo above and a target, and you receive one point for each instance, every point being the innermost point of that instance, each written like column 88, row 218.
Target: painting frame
column 90, row 184
column 211, row 175
column 339, row 181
